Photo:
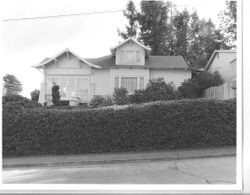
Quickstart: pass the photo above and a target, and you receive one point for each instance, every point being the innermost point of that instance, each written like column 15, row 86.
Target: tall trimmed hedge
column 153, row 126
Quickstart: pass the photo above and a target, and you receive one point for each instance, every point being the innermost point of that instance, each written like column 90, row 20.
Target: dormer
column 130, row 52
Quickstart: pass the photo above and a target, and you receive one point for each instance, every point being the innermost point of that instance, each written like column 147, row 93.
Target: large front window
column 130, row 83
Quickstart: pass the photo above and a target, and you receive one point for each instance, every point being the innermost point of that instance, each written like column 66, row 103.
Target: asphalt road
column 192, row 171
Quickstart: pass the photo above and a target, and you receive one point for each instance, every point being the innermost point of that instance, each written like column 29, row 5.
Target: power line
column 61, row 15
column 77, row 14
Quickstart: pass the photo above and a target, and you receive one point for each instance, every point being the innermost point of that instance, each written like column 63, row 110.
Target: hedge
column 152, row 126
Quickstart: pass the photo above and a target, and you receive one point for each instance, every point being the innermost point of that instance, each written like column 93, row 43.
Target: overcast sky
column 27, row 42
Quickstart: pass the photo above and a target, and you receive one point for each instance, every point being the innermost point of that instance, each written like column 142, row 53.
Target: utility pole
column 171, row 29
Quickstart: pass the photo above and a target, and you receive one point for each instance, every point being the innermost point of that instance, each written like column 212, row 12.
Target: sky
column 24, row 43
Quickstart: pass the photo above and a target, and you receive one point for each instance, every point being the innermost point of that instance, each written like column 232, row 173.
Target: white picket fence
column 222, row 92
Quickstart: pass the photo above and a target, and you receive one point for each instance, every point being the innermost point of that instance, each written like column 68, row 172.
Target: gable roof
column 213, row 55
column 151, row 62
column 44, row 62
column 113, row 49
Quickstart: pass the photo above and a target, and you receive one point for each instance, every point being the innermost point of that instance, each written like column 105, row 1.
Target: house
column 129, row 65
column 221, row 61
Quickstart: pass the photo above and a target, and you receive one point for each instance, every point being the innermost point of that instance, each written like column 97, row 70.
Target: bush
column 108, row 101
column 190, row 89
column 121, row 96
column 194, row 87
column 99, row 101
column 35, row 95
column 138, row 97
column 207, row 79
column 18, row 102
column 157, row 89
column 152, row 126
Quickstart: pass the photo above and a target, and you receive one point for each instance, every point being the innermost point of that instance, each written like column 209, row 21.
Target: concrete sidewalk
column 124, row 157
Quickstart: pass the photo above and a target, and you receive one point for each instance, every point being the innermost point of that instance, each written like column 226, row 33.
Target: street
column 220, row 170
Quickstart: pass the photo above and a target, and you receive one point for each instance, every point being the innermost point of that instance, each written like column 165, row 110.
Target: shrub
column 99, row 101
column 35, row 95
column 108, row 101
column 56, row 95
column 194, row 87
column 121, row 96
column 152, row 126
column 157, row 89
column 137, row 97
column 18, row 102
column 190, row 89
column 96, row 101
column 207, row 79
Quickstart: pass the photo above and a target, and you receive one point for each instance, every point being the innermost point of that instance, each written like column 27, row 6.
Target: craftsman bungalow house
column 129, row 65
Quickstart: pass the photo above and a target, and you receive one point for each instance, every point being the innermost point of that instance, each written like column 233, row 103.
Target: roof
column 112, row 49
column 152, row 62
column 213, row 55
column 44, row 62
column 234, row 60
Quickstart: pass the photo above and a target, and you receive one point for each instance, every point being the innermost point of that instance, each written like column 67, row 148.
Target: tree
column 132, row 16
column 35, row 95
column 228, row 23
column 181, row 27
column 12, row 86
column 204, row 38
column 154, row 26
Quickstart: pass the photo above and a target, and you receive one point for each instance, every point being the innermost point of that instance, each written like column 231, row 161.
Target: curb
column 96, row 162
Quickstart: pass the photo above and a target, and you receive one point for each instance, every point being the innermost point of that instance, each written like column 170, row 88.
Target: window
column 116, row 82
column 141, row 84
column 130, row 83
column 130, row 58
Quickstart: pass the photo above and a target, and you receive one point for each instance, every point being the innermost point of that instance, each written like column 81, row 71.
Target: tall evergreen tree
column 228, row 22
column 181, row 27
column 154, row 26
column 132, row 16
column 12, row 86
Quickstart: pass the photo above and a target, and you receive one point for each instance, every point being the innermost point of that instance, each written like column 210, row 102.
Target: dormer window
column 130, row 57
column 130, row 52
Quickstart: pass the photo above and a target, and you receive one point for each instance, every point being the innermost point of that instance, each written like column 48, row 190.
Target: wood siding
column 101, row 82
column 221, row 63
column 222, row 92
column 177, row 76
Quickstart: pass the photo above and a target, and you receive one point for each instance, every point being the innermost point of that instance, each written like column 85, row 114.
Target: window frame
column 138, row 77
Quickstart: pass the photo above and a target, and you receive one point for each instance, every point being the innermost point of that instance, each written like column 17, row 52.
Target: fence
column 225, row 91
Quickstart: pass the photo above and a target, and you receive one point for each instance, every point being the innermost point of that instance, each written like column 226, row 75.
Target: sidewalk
column 124, row 157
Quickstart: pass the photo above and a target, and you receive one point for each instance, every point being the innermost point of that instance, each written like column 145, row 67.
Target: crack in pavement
column 223, row 181
column 190, row 174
